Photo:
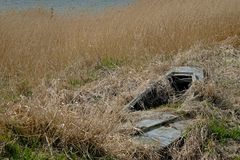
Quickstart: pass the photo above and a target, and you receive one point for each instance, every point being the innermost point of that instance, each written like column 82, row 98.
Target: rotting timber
column 165, row 128
column 180, row 80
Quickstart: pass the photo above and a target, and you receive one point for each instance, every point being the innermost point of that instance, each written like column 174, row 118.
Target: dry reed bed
column 36, row 43
column 90, row 119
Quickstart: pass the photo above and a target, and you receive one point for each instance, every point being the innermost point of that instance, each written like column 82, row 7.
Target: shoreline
column 65, row 8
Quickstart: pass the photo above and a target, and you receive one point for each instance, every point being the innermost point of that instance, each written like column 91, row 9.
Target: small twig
column 67, row 155
column 49, row 145
column 55, row 114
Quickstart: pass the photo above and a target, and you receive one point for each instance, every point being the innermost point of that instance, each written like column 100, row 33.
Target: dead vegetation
column 88, row 121
column 65, row 80
column 35, row 44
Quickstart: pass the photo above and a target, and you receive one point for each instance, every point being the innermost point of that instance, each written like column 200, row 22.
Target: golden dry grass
column 36, row 43
column 91, row 121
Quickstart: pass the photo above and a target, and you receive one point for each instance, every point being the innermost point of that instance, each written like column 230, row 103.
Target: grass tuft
column 219, row 129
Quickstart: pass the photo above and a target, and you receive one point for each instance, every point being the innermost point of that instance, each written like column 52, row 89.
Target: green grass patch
column 88, row 77
column 221, row 131
column 15, row 151
column 19, row 147
column 75, row 82
column 236, row 157
column 172, row 105
column 24, row 88
column 109, row 63
column 7, row 93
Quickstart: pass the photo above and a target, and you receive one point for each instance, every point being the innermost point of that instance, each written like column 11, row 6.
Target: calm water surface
column 61, row 4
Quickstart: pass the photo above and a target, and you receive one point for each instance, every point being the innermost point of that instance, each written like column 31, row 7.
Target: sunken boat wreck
column 162, row 128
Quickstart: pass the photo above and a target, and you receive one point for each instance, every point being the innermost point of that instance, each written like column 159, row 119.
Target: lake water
column 61, row 4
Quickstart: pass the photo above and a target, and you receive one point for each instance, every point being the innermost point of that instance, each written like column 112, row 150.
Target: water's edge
column 62, row 5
